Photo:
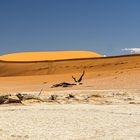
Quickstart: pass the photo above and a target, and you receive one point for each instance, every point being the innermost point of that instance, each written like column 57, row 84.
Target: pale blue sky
column 104, row 26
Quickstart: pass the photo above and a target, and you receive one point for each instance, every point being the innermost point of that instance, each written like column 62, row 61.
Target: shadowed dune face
column 41, row 56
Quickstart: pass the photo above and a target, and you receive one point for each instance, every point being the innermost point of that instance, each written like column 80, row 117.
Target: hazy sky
column 109, row 27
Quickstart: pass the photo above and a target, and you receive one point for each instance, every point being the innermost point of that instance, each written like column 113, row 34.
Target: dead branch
column 40, row 92
column 53, row 97
column 6, row 99
column 24, row 97
column 80, row 79
column 3, row 98
column 12, row 100
column 63, row 84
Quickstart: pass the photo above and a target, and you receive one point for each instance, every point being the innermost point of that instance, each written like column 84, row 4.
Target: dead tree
column 65, row 84
column 78, row 82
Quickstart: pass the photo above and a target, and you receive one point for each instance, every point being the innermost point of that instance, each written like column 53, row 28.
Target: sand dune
column 41, row 56
column 105, row 65
column 101, row 73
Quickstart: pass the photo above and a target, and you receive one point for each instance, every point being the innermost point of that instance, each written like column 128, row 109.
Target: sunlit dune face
column 40, row 56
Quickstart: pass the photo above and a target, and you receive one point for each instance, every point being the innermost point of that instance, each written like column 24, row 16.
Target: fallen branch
column 3, row 98
column 63, row 84
column 7, row 99
column 12, row 100
column 24, row 97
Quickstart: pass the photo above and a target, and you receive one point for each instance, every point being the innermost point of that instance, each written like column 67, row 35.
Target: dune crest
column 40, row 56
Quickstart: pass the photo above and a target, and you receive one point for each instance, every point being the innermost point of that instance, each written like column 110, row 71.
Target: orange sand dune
column 40, row 56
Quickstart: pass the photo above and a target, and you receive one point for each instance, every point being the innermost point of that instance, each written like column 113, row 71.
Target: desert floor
column 107, row 114
column 70, row 122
